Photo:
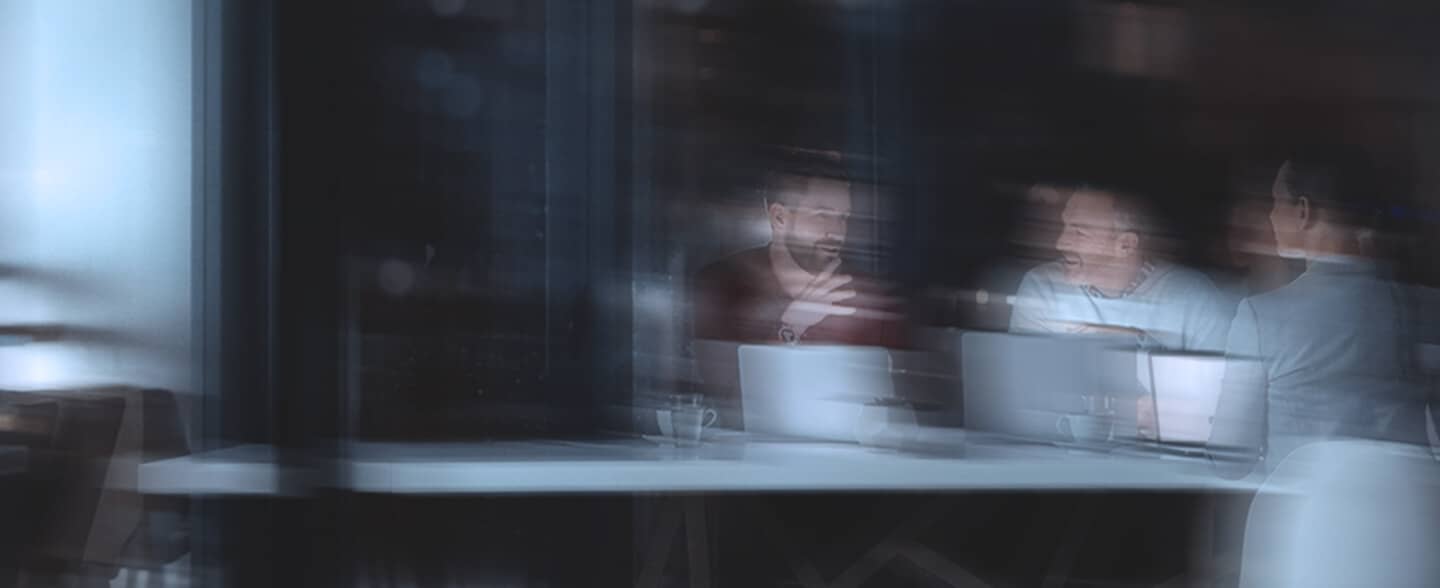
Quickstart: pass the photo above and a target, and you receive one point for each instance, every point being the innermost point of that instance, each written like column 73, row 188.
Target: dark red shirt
column 738, row 298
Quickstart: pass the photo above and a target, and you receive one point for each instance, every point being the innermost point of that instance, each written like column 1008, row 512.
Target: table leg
column 689, row 512
column 1214, row 556
column 657, row 553
column 804, row 571
column 876, row 558
column 1203, row 548
column 938, row 565
column 1064, row 560
column 697, row 541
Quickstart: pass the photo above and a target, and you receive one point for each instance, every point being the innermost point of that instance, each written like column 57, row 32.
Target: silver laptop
column 1019, row 385
column 1186, row 392
column 810, row 392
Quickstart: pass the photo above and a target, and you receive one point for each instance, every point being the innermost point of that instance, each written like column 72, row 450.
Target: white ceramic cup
column 1084, row 428
column 684, row 424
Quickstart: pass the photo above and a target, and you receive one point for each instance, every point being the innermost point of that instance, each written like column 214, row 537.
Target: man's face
column 814, row 228
column 1287, row 217
column 1091, row 243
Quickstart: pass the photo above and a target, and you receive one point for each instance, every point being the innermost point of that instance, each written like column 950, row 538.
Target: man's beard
column 811, row 257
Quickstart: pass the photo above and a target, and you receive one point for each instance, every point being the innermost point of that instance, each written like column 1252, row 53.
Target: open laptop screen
column 1021, row 384
column 811, row 392
column 1186, row 390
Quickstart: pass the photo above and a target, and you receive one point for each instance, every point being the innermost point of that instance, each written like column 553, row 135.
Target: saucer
column 663, row 440
column 1093, row 446
column 709, row 436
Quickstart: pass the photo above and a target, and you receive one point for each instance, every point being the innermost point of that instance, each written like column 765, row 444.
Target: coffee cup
column 1085, row 428
column 684, row 425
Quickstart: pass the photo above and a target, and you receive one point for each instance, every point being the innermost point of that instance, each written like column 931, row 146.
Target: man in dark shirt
column 796, row 289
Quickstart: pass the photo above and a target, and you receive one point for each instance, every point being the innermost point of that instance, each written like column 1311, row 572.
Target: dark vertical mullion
column 236, row 154
column 893, row 165
column 646, row 239
column 587, row 272
column 587, row 277
column 290, row 541
column 566, row 178
column 610, row 267
column 270, row 215
column 313, row 155
column 205, row 269
column 206, row 230
column 858, row 30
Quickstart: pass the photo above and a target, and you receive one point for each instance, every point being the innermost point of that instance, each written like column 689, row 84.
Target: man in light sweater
column 1108, row 281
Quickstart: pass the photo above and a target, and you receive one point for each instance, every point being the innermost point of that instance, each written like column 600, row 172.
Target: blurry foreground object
column 1346, row 513
column 1336, row 344
column 77, row 516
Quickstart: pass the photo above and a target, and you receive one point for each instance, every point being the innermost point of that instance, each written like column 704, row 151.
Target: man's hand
column 818, row 300
column 1145, row 417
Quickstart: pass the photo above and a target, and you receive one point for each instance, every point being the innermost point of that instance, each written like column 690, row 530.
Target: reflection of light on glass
column 463, row 98
column 690, row 6
column 70, row 166
column 520, row 48
column 653, row 299
column 103, row 187
column 432, row 69
column 37, row 366
column 447, row 7
column 45, row 181
column 38, row 369
column 396, row 277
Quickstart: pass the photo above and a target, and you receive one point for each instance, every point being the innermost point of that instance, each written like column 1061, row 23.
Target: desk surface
column 242, row 470
column 638, row 466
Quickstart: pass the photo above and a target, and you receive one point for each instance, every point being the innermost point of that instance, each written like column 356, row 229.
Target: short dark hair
column 1132, row 211
column 790, row 167
column 1340, row 180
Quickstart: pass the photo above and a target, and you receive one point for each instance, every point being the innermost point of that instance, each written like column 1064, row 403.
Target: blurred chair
column 26, row 422
column 1346, row 513
column 69, row 481
column 162, row 535
column 91, row 520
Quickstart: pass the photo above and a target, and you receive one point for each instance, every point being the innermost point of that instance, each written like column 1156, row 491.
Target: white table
column 246, row 470
column 638, row 466
column 754, row 467
column 635, row 466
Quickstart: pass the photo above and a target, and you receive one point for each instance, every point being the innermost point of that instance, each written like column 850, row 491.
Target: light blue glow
column 96, row 204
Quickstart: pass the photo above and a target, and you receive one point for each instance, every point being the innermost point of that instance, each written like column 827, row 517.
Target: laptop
column 1017, row 386
column 1186, row 392
column 810, row 392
